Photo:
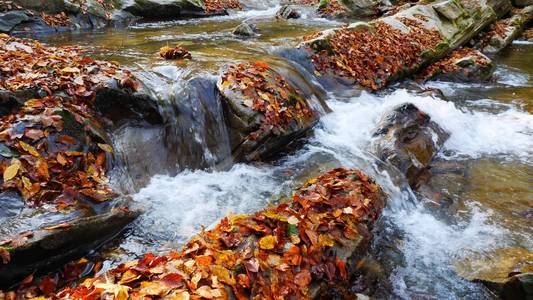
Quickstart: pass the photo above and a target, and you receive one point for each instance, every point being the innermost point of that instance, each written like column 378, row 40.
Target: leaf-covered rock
column 264, row 111
column 462, row 65
column 376, row 53
column 290, row 249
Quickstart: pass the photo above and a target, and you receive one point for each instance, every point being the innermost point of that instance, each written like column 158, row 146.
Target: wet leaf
column 59, row 226
column 5, row 255
column 107, row 148
column 11, row 171
column 29, row 148
column 268, row 242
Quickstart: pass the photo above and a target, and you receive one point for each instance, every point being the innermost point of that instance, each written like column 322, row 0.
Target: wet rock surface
column 263, row 111
column 47, row 248
column 408, row 139
column 246, row 29
column 288, row 12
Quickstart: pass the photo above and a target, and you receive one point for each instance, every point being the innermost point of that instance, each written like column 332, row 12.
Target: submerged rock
column 463, row 65
column 408, row 139
column 505, row 31
column 246, row 29
column 376, row 53
column 264, row 112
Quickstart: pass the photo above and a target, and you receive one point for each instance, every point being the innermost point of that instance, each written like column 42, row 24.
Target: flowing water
column 183, row 187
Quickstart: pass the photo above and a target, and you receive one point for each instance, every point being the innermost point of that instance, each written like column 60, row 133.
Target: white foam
column 178, row 206
column 431, row 246
column 473, row 133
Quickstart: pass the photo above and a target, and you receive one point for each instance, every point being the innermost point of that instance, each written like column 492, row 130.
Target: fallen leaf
column 11, row 171
column 59, row 226
column 268, row 242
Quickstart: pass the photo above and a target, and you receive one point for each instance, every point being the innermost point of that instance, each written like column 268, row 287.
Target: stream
column 485, row 205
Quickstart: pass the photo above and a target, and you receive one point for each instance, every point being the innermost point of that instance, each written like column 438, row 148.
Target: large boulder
column 153, row 9
column 264, row 112
column 462, row 65
column 301, row 247
column 373, row 54
column 408, row 139
column 505, row 31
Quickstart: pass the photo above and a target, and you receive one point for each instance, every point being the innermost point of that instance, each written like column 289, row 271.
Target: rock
column 155, row 9
column 122, row 105
column 408, row 139
column 528, row 35
column 439, row 28
column 10, row 19
column 284, row 248
column 505, row 31
column 246, row 29
column 522, row 3
column 518, row 287
column 463, row 65
column 50, row 248
column 505, row 271
column 288, row 12
column 362, row 7
column 257, row 129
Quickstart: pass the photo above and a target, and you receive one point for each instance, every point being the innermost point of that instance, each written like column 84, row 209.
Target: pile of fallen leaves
column 276, row 253
column 52, row 151
column 27, row 64
column 269, row 94
column 174, row 53
column 448, row 64
column 58, row 20
column 373, row 57
column 217, row 6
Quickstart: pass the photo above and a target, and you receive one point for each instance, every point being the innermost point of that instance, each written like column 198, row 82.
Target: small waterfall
column 193, row 135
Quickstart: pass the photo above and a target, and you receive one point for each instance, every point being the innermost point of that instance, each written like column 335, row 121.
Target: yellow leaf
column 268, row 242
column 119, row 291
column 207, row 292
column 27, row 183
column 183, row 295
column 68, row 70
column 11, row 171
column 326, row 241
column 223, row 274
column 29, row 148
column 106, row 148
column 293, row 220
column 129, row 276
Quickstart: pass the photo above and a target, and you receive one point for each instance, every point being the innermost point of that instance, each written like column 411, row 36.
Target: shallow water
column 419, row 240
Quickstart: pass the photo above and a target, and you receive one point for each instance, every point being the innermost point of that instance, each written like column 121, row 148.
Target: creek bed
column 420, row 239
